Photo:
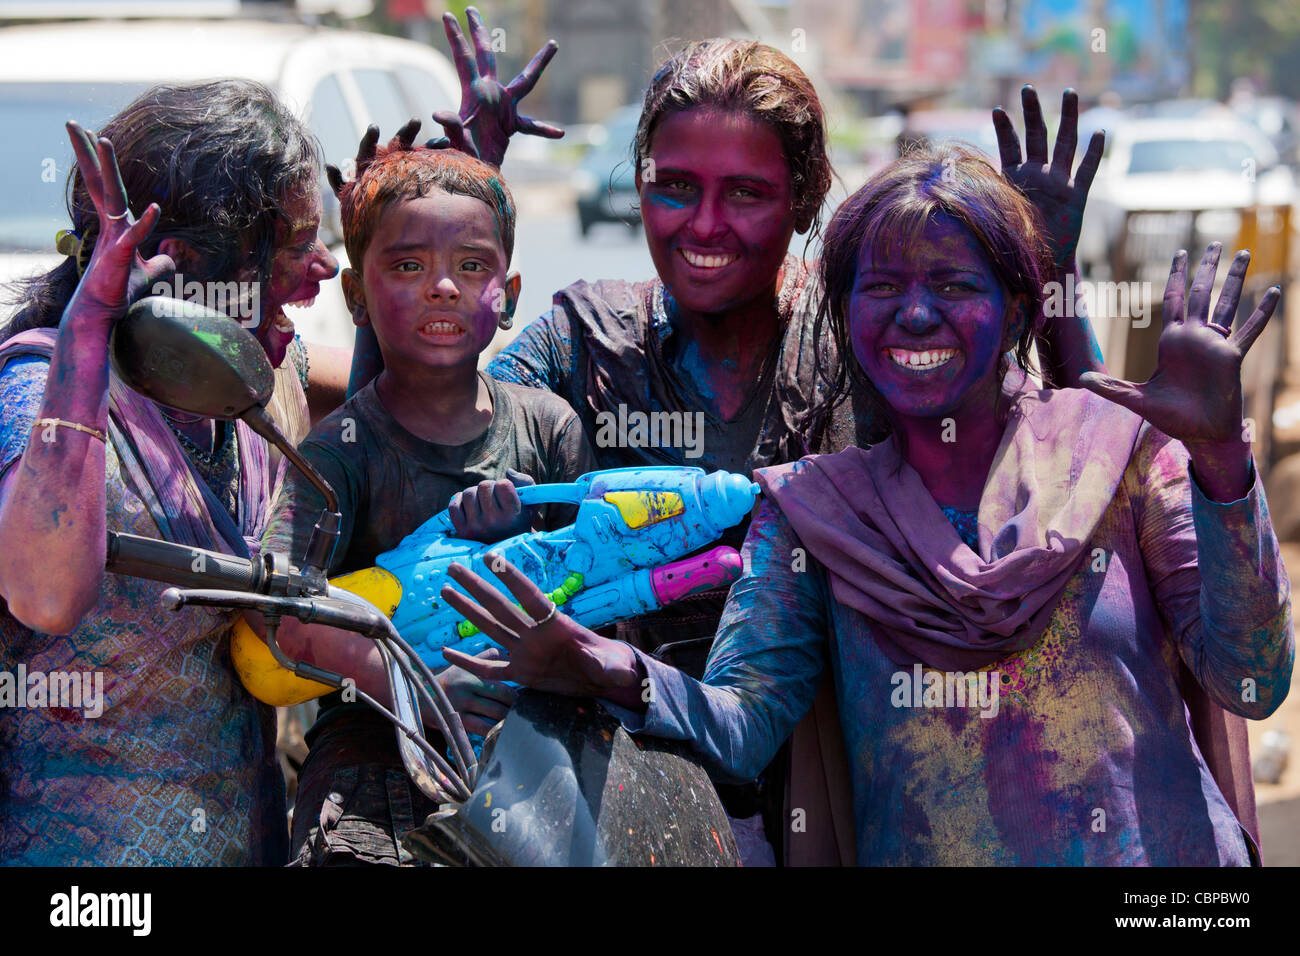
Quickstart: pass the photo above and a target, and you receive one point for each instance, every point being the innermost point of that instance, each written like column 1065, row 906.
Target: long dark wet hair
column 220, row 158
column 898, row 202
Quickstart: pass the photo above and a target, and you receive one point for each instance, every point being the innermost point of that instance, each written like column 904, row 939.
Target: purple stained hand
column 489, row 112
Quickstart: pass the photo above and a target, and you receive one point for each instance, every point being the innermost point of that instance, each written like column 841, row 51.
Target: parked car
column 1174, row 168
column 605, row 179
column 338, row 81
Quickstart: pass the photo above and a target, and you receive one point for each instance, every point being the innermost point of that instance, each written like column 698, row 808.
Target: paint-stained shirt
column 1078, row 751
column 178, row 767
column 389, row 482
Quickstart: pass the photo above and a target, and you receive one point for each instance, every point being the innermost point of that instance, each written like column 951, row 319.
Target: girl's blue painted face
column 928, row 322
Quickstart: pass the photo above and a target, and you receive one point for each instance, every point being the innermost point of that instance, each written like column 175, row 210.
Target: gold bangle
column 92, row 432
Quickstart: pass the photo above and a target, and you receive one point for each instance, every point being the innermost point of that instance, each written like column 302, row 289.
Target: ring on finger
column 554, row 610
column 1220, row 329
column 121, row 215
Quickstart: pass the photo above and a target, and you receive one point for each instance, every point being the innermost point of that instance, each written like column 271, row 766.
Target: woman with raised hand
column 1008, row 591
column 731, row 162
column 175, row 762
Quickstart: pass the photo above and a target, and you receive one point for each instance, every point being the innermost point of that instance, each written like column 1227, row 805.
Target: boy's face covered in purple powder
column 927, row 321
column 435, row 281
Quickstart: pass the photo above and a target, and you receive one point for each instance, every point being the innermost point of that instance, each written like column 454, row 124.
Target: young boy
column 429, row 234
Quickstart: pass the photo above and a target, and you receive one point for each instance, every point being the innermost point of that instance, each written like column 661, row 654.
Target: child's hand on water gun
column 482, row 704
column 491, row 511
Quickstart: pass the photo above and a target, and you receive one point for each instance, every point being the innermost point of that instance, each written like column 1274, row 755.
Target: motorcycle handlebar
column 180, row 565
column 220, row 580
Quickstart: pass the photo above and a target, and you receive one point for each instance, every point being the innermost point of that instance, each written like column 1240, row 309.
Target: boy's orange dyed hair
column 399, row 172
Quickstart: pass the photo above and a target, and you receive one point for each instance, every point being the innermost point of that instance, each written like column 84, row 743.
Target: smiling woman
column 958, row 254
column 731, row 161
column 179, row 768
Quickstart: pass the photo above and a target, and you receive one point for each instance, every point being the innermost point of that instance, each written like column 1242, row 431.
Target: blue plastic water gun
column 623, row 556
column 617, row 560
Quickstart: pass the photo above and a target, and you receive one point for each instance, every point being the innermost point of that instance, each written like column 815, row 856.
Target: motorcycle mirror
column 191, row 358
column 198, row 360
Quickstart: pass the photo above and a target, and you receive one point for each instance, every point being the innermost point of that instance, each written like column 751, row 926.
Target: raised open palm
column 1194, row 395
column 117, row 274
column 489, row 112
column 1059, row 199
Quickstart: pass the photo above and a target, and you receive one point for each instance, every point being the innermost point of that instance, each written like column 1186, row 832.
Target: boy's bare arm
column 328, row 369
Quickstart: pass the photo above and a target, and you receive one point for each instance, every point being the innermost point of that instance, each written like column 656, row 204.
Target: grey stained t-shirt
column 389, row 482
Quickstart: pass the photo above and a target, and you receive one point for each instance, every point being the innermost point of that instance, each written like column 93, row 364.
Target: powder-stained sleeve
column 541, row 356
column 764, row 668
column 1217, row 577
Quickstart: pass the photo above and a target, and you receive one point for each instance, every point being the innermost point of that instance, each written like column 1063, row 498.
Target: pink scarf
column 892, row 554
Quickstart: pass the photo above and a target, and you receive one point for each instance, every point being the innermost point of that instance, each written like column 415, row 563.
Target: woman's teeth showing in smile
column 283, row 323
column 707, row 262
column 921, row 361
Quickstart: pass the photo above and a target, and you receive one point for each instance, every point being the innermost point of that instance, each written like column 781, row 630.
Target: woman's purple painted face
column 717, row 210
column 927, row 322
